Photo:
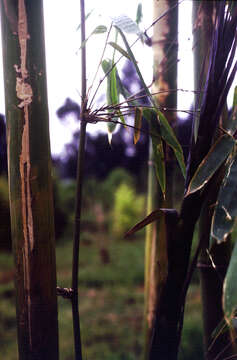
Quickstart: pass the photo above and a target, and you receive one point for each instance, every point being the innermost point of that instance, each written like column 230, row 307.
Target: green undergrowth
column 111, row 302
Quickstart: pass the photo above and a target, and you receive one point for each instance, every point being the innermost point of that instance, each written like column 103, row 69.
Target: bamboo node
column 66, row 293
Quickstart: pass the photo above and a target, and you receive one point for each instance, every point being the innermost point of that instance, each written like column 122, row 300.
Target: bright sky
column 63, row 54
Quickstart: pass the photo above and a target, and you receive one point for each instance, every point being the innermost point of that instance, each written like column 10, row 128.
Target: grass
column 111, row 303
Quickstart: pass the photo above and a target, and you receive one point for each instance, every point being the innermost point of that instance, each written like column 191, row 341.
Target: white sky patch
column 63, row 58
column 185, row 56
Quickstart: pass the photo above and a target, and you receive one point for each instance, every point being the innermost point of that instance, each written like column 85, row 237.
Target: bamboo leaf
column 230, row 290
column 226, row 208
column 169, row 137
column 132, row 58
column 120, row 49
column 139, row 14
column 231, row 124
column 155, row 215
column 167, row 132
column 87, row 15
column 159, row 158
column 137, row 124
column 211, row 163
column 157, row 146
column 113, row 93
column 126, row 24
column 100, row 29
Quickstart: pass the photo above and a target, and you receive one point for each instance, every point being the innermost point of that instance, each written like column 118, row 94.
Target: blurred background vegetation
column 111, row 272
column 111, row 277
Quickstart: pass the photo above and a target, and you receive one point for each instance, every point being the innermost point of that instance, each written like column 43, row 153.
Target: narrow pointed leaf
column 100, row 29
column 120, row 49
column 111, row 93
column 113, row 87
column 157, row 147
column 231, row 124
column 169, row 137
column 167, row 131
column 226, row 208
column 159, row 158
column 137, row 124
column 211, row 163
column 230, row 288
column 155, row 215
column 132, row 57
column 87, row 15
column 139, row 14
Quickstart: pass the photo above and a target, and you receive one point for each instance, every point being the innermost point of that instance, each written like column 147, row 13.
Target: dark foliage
column 3, row 146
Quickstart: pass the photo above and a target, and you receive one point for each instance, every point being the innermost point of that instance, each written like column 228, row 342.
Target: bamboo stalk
column 29, row 174
column 80, row 176
column 156, row 262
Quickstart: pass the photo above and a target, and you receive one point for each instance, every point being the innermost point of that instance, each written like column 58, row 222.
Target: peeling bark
column 30, row 188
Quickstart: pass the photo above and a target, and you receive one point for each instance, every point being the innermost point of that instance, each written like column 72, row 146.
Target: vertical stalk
column 212, row 265
column 80, row 173
column 150, row 293
column 29, row 175
column 165, row 75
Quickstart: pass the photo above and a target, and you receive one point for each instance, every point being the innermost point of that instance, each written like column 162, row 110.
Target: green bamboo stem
column 80, row 176
column 29, row 174
column 165, row 75
column 150, row 294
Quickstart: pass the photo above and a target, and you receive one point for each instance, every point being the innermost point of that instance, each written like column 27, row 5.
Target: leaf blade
column 169, row 137
column 230, row 288
column 226, row 208
column 120, row 49
column 137, row 124
column 210, row 164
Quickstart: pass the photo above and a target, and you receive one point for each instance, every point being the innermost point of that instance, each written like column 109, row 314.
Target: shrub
column 128, row 209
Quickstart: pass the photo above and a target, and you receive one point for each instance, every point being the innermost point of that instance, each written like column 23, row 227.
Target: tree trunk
column 29, row 169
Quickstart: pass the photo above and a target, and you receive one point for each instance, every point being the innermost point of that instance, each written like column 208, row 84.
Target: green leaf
column 100, row 29
column 137, row 124
column 230, row 288
column 211, row 163
column 111, row 93
column 132, row 58
column 139, row 14
column 113, row 86
column 157, row 146
column 155, row 215
column 87, row 15
column 159, row 158
column 169, row 137
column 231, row 123
column 226, row 207
column 167, row 132
column 120, row 49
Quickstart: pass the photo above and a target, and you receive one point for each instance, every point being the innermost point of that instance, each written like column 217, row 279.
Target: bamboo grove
column 209, row 173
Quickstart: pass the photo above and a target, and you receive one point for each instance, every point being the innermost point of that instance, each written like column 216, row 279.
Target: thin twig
column 80, row 169
column 115, row 63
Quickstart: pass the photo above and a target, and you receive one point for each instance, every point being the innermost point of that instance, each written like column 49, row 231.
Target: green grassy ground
column 111, row 303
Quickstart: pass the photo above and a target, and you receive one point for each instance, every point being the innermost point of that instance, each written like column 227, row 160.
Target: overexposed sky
column 62, row 18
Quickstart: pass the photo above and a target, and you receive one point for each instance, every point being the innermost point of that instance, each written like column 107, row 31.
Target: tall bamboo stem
column 30, row 186
column 80, row 173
